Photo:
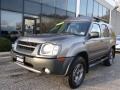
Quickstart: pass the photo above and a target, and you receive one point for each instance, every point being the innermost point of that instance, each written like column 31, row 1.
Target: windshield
column 77, row 28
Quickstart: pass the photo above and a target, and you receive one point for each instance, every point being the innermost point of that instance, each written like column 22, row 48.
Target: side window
column 105, row 30
column 96, row 28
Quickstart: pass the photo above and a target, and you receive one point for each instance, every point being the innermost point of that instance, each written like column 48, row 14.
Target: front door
column 29, row 26
column 95, row 45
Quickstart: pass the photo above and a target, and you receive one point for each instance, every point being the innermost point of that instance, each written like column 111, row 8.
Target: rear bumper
column 117, row 48
column 39, row 65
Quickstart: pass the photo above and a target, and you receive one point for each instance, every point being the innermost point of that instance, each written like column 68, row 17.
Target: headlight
column 49, row 49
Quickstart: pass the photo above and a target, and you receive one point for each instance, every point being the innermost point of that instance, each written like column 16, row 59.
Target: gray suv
column 68, row 49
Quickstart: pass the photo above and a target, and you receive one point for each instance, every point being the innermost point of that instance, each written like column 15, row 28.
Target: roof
column 77, row 19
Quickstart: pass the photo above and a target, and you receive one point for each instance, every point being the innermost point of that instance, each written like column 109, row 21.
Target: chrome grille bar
column 26, row 46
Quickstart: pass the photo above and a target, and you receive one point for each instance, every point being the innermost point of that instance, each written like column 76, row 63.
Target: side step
column 98, row 62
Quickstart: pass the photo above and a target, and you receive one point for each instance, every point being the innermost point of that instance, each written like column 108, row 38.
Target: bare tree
column 117, row 4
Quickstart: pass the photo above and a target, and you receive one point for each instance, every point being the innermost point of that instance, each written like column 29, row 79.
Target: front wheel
column 110, row 59
column 77, row 73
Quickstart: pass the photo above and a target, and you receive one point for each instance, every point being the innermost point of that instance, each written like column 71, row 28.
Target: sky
column 117, row 2
column 111, row 2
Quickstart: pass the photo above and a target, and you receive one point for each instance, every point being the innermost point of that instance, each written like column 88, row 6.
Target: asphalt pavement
column 100, row 77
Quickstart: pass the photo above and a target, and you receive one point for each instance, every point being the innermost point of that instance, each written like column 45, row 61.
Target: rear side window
column 105, row 30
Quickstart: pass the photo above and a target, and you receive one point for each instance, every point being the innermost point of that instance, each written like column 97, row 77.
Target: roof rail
column 96, row 19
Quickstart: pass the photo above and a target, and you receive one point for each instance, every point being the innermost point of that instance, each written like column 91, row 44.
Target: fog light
column 47, row 71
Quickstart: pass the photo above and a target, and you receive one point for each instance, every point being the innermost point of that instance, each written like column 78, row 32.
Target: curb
column 4, row 54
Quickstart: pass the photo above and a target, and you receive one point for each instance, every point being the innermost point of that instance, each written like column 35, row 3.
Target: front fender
column 75, row 49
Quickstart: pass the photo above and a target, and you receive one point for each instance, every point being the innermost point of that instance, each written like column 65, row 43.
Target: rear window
column 14, row 32
column 118, row 38
column 4, row 32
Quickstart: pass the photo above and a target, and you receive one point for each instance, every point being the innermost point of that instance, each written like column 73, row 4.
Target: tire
column 110, row 59
column 77, row 73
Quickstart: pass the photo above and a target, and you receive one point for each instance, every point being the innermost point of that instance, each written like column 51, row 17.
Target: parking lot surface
column 100, row 77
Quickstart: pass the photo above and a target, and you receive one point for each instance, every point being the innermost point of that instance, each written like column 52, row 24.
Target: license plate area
column 20, row 58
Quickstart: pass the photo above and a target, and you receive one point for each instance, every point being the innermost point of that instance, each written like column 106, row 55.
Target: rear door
column 105, row 38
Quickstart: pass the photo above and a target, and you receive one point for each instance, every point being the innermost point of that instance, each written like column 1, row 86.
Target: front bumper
column 39, row 65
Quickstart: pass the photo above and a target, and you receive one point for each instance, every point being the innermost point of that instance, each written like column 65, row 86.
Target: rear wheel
column 77, row 73
column 110, row 59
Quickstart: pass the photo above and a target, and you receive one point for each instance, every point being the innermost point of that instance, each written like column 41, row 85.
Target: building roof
column 110, row 4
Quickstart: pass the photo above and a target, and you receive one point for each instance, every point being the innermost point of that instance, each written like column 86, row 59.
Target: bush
column 5, row 44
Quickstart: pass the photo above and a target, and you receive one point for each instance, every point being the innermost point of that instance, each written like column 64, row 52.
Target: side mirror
column 94, row 34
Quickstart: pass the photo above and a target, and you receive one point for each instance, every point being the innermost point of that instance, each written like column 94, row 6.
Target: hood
column 48, row 37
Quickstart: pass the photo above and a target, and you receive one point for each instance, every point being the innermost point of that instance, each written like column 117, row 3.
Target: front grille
column 28, row 43
column 26, row 46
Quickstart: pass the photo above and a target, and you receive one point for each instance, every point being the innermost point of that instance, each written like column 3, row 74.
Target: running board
column 98, row 62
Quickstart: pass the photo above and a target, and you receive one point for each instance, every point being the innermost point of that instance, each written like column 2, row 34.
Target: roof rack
column 86, row 17
column 96, row 19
